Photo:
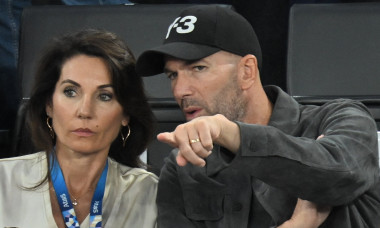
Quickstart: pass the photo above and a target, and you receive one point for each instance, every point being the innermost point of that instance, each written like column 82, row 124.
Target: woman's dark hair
column 127, row 85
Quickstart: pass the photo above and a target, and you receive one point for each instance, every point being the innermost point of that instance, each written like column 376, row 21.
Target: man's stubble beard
column 230, row 102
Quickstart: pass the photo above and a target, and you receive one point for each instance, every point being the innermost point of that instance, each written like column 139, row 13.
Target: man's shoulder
column 337, row 105
column 344, row 102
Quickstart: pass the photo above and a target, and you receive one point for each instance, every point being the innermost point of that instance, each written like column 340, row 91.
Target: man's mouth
column 191, row 113
column 191, row 108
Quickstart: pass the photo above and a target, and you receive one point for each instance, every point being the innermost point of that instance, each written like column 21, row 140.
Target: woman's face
column 86, row 114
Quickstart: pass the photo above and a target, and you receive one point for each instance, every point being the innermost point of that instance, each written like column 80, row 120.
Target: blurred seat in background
column 333, row 52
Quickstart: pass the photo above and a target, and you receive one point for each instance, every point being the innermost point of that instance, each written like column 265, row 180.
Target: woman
column 89, row 115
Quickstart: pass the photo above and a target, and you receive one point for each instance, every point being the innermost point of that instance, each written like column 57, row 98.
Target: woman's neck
column 81, row 171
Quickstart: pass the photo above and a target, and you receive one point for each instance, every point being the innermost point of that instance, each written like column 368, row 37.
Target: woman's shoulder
column 23, row 170
column 29, row 158
column 127, row 172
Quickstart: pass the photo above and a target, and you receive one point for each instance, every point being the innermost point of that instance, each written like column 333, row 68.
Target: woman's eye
column 69, row 92
column 105, row 97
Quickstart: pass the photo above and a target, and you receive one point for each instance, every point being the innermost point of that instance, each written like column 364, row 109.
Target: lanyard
column 64, row 200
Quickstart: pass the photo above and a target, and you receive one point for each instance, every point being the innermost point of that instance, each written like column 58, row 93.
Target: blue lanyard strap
column 64, row 200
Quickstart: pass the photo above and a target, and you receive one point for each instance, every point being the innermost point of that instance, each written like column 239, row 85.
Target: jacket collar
column 286, row 113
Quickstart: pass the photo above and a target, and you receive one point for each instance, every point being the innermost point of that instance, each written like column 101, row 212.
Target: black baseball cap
column 200, row 31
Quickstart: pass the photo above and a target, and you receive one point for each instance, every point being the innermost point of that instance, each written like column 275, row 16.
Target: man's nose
column 181, row 86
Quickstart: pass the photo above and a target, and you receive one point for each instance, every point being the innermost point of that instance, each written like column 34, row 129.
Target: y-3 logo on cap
column 182, row 25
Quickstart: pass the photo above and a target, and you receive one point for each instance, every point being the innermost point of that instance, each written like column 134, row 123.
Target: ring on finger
column 194, row 140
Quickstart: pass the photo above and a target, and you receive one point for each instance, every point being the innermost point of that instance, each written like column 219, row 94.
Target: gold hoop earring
column 124, row 139
column 51, row 131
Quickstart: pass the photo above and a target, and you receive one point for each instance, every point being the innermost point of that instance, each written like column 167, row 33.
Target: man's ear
column 248, row 71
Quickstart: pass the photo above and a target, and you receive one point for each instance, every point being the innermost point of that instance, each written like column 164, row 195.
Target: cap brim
column 152, row 62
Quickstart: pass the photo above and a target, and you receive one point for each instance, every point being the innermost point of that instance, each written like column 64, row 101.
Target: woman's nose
column 85, row 108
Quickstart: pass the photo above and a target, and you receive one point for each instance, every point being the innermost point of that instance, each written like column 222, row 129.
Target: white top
column 129, row 198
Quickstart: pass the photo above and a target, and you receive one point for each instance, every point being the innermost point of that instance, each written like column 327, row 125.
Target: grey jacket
column 278, row 163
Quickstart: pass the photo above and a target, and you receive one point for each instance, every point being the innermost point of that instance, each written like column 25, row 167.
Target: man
column 248, row 152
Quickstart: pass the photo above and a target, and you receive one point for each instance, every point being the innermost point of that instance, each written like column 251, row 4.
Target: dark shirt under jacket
column 278, row 163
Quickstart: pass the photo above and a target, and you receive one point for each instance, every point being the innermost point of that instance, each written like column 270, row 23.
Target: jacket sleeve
column 333, row 170
column 170, row 202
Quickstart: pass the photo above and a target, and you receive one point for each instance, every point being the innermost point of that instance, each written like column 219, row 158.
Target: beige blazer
column 129, row 198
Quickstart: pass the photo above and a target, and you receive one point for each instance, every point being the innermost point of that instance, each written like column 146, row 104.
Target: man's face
column 208, row 86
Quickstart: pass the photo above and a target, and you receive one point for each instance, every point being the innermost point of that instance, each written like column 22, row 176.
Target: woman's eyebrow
column 77, row 84
column 105, row 86
column 71, row 82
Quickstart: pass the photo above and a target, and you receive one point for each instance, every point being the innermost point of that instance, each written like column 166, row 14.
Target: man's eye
column 199, row 68
column 105, row 97
column 171, row 76
column 69, row 92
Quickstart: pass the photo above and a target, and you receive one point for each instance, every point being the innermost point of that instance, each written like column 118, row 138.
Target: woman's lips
column 83, row 132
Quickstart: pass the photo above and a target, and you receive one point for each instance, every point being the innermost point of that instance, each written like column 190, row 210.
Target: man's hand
column 195, row 138
column 307, row 215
